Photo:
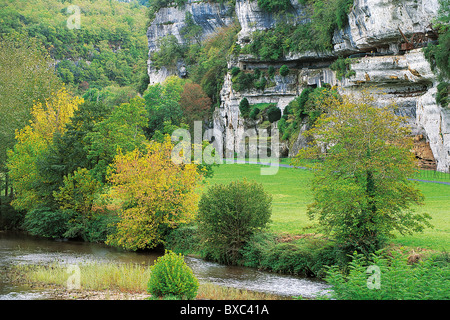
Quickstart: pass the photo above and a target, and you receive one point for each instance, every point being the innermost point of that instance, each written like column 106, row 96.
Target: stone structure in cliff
column 373, row 38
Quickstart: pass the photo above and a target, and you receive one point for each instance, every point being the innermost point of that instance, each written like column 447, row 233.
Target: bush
column 229, row 215
column 243, row 81
column 184, row 240
column 274, row 114
column 307, row 257
column 284, row 70
column 274, row 5
column 428, row 279
column 46, row 222
column 442, row 94
column 172, row 277
column 261, row 83
column 342, row 67
column 244, row 107
column 271, row 72
column 235, row 71
column 10, row 219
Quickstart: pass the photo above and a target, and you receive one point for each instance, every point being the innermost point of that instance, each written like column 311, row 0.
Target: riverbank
column 52, row 281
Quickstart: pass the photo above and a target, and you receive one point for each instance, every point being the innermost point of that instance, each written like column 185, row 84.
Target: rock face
column 373, row 39
column 170, row 20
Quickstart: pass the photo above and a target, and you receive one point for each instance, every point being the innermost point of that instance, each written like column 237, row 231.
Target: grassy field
column 290, row 189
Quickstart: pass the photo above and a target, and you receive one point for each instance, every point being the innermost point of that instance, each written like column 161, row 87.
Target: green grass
column 291, row 193
column 261, row 106
column 289, row 189
column 433, row 175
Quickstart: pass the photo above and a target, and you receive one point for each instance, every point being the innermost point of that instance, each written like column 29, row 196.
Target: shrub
column 235, row 71
column 308, row 257
column 342, row 67
column 243, row 81
column 284, row 70
column 254, row 113
column 271, row 71
column 170, row 276
column 274, row 114
column 244, row 107
column 46, row 222
column 261, row 83
column 229, row 215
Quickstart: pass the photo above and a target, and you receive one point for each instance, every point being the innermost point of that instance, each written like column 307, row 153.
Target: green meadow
column 290, row 189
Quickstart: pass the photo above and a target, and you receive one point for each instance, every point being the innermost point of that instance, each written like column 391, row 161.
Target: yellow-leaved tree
column 155, row 193
column 32, row 142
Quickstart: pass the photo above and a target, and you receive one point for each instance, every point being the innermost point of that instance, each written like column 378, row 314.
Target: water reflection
column 17, row 248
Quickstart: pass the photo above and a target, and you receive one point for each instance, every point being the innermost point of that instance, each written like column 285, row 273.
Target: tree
column 362, row 162
column 244, row 107
column 162, row 102
column 32, row 144
column 195, row 103
column 78, row 192
column 273, row 113
column 26, row 77
column 229, row 215
column 76, row 198
column 155, row 193
column 284, row 70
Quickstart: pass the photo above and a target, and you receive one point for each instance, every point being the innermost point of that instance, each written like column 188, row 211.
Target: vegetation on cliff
column 107, row 49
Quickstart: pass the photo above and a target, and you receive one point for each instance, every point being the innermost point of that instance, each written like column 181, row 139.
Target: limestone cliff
column 171, row 19
column 373, row 38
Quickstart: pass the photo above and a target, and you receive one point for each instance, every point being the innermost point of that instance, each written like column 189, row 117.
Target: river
column 19, row 248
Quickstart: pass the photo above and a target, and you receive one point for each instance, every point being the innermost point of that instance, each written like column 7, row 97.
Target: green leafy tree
column 284, row 70
column 361, row 190
column 26, row 77
column 32, row 145
column 274, row 114
column 76, row 198
column 78, row 192
column 122, row 130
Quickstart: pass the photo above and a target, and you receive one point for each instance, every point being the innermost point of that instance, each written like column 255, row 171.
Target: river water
column 19, row 248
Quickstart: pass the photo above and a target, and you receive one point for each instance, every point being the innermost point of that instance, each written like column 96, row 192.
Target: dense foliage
column 305, row 108
column 391, row 277
column 109, row 48
column 439, row 54
column 361, row 189
column 229, row 215
column 301, row 36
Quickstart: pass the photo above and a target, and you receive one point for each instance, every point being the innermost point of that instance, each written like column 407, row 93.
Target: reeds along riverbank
column 111, row 281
